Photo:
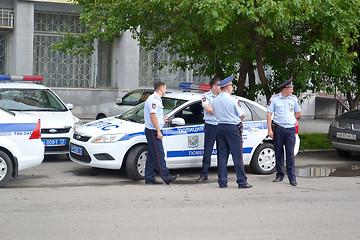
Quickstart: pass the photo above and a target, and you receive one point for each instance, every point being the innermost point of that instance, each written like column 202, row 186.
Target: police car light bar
column 21, row 78
column 192, row 86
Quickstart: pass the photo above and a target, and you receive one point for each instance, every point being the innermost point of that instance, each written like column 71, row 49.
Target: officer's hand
column 270, row 133
column 159, row 135
column 165, row 118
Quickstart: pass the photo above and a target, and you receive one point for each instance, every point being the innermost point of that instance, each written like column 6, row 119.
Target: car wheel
column 100, row 116
column 5, row 168
column 135, row 163
column 342, row 153
column 263, row 160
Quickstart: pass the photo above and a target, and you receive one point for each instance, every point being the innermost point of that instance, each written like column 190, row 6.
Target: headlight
column 109, row 138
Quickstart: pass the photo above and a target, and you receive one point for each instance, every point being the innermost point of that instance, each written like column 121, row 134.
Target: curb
column 316, row 150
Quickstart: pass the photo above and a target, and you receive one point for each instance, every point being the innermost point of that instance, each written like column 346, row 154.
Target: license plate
column 54, row 142
column 346, row 136
column 77, row 150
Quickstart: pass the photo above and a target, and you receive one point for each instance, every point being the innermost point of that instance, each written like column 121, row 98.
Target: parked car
column 118, row 141
column 344, row 133
column 57, row 121
column 20, row 143
column 123, row 104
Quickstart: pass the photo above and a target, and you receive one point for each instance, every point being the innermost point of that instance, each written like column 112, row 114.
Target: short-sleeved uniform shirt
column 284, row 110
column 227, row 109
column 154, row 105
column 208, row 98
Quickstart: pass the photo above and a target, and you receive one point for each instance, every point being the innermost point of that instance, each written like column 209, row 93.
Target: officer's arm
column 242, row 117
column 297, row 115
column 209, row 109
column 268, row 120
column 154, row 121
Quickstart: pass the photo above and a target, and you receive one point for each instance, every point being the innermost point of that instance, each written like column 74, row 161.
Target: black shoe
column 293, row 183
column 224, row 186
column 201, row 179
column 245, row 186
column 172, row 179
column 154, row 182
column 278, row 179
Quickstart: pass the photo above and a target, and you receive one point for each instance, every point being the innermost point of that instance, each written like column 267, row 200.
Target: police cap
column 226, row 81
column 287, row 84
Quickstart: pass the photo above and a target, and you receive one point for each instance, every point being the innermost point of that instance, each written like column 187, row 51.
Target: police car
column 57, row 121
column 118, row 141
column 20, row 143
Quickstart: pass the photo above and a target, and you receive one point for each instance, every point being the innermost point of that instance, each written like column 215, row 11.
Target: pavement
column 314, row 125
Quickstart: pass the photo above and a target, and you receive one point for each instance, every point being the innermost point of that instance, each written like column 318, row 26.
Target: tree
column 306, row 39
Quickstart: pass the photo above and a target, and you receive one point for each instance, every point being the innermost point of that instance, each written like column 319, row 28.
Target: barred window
column 151, row 69
column 63, row 69
column 3, row 52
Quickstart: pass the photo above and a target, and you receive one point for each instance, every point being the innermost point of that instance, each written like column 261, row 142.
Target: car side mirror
column 118, row 101
column 70, row 106
column 178, row 122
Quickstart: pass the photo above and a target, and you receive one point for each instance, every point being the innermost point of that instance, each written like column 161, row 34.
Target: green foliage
column 309, row 141
column 306, row 39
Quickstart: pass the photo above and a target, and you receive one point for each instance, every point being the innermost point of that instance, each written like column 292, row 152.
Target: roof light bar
column 21, row 78
column 192, row 86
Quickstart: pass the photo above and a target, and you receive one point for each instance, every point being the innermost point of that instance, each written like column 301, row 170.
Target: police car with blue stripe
column 21, row 94
column 20, row 143
column 118, row 141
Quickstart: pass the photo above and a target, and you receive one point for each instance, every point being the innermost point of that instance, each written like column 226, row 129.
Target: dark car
column 344, row 133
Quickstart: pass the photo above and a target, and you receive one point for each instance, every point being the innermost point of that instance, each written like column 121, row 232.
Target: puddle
column 344, row 171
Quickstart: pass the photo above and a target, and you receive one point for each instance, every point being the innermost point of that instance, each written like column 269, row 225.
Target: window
column 248, row 114
column 192, row 114
column 3, row 52
column 65, row 70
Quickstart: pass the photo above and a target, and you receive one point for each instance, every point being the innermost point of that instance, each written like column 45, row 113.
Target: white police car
column 120, row 141
column 20, row 143
column 57, row 121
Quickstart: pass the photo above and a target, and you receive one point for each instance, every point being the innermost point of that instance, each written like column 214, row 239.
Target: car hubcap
column 3, row 168
column 141, row 163
column 267, row 159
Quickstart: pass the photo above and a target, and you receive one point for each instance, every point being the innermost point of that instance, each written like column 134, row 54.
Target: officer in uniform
column 209, row 128
column 284, row 109
column 154, row 122
column 229, row 115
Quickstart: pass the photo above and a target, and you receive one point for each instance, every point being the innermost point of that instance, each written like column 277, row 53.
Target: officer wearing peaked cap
column 282, row 113
column 229, row 115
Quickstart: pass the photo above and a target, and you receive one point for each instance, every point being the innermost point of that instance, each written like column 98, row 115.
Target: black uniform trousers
column 155, row 160
column 285, row 137
column 210, row 132
column 229, row 139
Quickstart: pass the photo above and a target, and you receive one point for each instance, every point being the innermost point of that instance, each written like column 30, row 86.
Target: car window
column 248, row 114
column 136, row 114
column 145, row 96
column 192, row 114
column 30, row 100
column 132, row 98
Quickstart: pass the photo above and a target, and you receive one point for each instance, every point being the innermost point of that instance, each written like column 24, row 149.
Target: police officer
column 209, row 128
column 229, row 115
column 284, row 108
column 154, row 122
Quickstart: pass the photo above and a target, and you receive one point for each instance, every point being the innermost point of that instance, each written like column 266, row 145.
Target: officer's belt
column 276, row 125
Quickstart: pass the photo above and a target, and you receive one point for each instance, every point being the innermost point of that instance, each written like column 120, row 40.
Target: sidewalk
column 314, row 125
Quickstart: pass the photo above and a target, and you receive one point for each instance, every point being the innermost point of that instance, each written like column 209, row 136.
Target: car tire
column 5, row 168
column 135, row 162
column 100, row 116
column 263, row 160
column 342, row 153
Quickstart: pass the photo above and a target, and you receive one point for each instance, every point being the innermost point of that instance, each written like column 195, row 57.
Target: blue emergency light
column 21, row 78
column 193, row 86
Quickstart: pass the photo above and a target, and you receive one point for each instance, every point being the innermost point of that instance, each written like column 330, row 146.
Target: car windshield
column 136, row 114
column 30, row 100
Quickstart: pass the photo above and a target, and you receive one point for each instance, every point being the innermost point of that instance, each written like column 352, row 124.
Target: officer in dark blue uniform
column 282, row 112
column 229, row 115
column 210, row 128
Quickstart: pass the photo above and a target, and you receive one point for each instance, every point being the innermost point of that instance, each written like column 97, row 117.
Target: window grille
column 63, row 69
column 151, row 71
column 3, row 52
column 6, row 18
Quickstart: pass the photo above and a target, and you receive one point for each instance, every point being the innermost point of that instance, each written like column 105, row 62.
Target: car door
column 184, row 145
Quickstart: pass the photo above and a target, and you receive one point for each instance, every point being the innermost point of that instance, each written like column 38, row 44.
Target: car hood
column 353, row 116
column 110, row 125
column 55, row 119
